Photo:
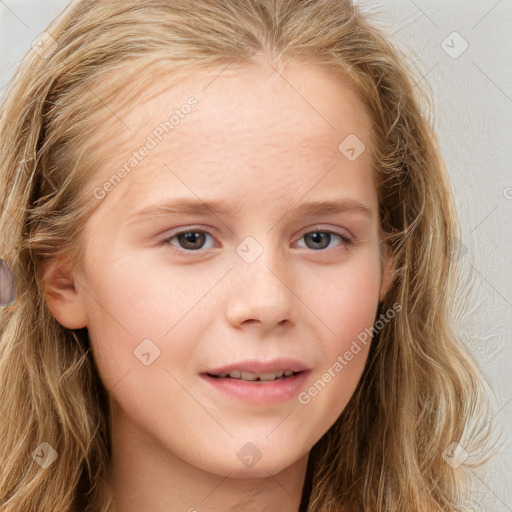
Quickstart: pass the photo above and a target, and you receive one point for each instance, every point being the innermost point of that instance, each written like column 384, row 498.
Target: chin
column 260, row 470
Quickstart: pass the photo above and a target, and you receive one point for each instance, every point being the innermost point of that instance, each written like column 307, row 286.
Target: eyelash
column 345, row 241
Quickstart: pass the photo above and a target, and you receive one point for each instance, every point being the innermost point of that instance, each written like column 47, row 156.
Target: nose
column 262, row 291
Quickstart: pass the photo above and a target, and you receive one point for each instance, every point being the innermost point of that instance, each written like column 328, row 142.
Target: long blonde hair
column 420, row 390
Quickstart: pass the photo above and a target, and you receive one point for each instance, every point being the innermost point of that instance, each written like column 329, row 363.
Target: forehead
column 259, row 98
column 254, row 123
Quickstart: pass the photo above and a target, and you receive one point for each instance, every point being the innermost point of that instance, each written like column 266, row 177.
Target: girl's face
column 261, row 281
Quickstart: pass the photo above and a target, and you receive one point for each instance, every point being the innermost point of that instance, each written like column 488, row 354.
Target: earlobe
column 62, row 296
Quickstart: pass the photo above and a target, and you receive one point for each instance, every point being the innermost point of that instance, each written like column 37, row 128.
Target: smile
column 237, row 374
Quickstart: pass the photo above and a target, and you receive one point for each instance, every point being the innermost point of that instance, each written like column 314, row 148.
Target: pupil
column 190, row 238
column 318, row 236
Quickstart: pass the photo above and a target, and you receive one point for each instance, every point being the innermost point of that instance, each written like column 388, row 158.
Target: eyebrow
column 203, row 208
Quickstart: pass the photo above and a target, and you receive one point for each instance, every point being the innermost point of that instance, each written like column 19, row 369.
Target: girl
column 231, row 233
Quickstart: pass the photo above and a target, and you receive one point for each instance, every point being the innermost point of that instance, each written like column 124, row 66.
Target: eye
column 320, row 239
column 190, row 239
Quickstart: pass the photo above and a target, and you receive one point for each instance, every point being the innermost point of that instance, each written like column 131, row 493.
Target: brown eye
column 189, row 240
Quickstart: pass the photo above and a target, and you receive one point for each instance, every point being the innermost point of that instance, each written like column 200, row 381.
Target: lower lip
column 260, row 392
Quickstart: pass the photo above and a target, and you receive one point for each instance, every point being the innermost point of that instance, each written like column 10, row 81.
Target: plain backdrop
column 463, row 51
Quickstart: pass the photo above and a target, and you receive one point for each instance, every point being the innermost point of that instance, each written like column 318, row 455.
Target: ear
column 387, row 270
column 61, row 295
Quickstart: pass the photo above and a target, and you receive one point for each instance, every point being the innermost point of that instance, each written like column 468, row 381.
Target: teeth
column 237, row 374
column 249, row 376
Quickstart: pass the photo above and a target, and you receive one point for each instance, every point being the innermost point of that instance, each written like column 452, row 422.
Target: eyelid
column 315, row 227
column 328, row 229
column 186, row 229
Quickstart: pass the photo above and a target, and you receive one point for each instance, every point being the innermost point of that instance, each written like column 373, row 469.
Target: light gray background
column 472, row 96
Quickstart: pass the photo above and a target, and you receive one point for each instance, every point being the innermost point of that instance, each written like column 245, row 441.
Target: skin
column 267, row 141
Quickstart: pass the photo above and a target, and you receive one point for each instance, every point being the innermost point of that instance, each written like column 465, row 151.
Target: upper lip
column 259, row 367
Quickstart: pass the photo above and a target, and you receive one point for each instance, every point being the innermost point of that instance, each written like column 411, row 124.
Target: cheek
column 144, row 326
column 132, row 314
column 348, row 307
column 348, row 300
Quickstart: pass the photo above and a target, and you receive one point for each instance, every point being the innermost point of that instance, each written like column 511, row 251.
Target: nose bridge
column 262, row 292
column 262, row 258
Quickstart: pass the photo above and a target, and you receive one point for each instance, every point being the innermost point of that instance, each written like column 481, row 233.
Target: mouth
column 279, row 375
column 258, row 383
